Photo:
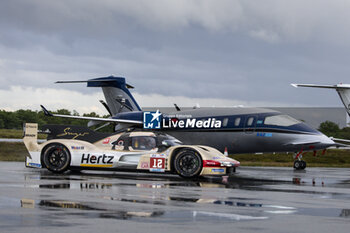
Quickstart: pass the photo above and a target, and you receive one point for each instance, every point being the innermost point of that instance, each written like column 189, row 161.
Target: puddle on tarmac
column 55, row 186
column 90, row 211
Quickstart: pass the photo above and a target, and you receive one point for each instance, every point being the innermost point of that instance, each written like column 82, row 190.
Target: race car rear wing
column 30, row 139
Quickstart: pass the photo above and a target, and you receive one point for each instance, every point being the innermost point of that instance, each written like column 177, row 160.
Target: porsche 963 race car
column 79, row 148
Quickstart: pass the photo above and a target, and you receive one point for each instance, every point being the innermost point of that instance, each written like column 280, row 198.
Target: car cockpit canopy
column 144, row 141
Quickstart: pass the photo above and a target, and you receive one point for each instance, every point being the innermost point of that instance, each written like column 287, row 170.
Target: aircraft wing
column 124, row 121
column 340, row 86
column 337, row 143
column 302, row 143
column 344, row 142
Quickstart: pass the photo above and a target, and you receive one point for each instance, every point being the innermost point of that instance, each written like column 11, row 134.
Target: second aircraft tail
column 116, row 92
column 342, row 89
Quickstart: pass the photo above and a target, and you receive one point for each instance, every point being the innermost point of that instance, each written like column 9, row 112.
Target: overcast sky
column 211, row 52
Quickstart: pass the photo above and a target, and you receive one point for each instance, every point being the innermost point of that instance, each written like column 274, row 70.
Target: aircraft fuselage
column 242, row 130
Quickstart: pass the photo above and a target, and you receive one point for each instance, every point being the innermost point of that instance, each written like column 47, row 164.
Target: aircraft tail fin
column 115, row 89
column 342, row 89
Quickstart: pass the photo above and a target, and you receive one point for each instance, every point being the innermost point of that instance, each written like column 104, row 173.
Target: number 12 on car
column 157, row 164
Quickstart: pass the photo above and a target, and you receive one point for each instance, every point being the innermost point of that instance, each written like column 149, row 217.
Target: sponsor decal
column 157, row 163
column 106, row 140
column 211, row 163
column 155, row 120
column 156, row 170
column 88, row 160
column 217, row 170
column 67, row 131
column 259, row 134
column 77, row 147
column 216, row 158
column 145, row 165
column 151, row 120
column 34, row 165
column 192, row 123
column 158, row 155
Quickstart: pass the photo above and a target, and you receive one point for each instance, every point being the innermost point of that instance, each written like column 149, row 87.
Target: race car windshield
column 171, row 142
column 143, row 143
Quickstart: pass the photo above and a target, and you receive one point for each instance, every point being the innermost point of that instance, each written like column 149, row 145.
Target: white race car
column 75, row 147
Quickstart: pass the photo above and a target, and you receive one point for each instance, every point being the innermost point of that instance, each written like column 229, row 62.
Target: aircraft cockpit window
column 237, row 121
column 224, row 122
column 143, row 143
column 281, row 120
column 250, row 121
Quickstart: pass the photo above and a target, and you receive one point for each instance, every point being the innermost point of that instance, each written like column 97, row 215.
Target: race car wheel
column 56, row 158
column 188, row 163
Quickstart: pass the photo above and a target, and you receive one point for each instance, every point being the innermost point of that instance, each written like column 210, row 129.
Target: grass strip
column 13, row 151
column 16, row 133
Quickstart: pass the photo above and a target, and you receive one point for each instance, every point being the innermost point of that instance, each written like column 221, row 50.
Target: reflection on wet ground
column 254, row 199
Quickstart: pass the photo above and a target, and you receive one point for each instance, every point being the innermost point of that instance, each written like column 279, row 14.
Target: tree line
column 331, row 129
column 16, row 119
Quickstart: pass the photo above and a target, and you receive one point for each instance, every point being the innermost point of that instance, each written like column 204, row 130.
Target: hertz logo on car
column 88, row 160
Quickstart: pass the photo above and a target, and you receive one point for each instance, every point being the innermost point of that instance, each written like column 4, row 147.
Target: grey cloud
column 291, row 20
column 225, row 49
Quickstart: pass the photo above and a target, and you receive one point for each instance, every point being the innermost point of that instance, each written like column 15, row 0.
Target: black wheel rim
column 57, row 158
column 189, row 163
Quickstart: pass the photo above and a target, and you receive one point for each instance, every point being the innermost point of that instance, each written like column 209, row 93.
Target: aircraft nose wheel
column 299, row 165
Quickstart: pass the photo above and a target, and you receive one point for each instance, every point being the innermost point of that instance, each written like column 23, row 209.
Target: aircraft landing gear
column 298, row 163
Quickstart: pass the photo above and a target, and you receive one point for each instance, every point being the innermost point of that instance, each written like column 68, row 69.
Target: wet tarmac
column 253, row 200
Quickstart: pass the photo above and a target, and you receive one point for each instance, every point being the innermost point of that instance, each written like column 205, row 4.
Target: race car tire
column 188, row 163
column 56, row 158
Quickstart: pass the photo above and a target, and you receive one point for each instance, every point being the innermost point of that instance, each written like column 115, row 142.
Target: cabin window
column 224, row 122
column 250, row 121
column 237, row 121
column 143, row 143
column 281, row 120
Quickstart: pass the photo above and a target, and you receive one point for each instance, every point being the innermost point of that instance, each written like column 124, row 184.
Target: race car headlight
column 226, row 164
column 212, row 163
